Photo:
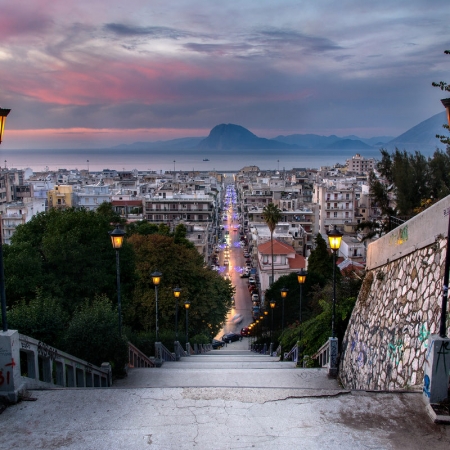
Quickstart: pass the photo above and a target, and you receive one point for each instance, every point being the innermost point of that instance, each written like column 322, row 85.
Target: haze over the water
column 80, row 74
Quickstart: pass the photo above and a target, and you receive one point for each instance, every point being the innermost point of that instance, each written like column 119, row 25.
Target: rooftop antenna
column 5, row 163
column 88, row 165
column 278, row 161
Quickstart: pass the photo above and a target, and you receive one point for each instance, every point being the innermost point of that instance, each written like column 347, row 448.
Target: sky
column 93, row 74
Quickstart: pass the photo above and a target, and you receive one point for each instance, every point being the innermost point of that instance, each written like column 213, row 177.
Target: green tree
column 71, row 255
column 182, row 266
column 320, row 261
column 42, row 318
column 271, row 215
column 93, row 335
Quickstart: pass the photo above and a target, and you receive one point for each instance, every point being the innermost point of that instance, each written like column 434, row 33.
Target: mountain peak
column 230, row 136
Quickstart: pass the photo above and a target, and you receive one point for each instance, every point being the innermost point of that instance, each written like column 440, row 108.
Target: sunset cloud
column 173, row 68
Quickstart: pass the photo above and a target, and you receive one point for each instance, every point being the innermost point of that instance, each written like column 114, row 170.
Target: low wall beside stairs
column 399, row 305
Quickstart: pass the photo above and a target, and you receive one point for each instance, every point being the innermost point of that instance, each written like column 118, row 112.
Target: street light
column 284, row 293
column 334, row 238
column 272, row 304
column 176, row 294
column 187, row 304
column 301, row 278
column 117, row 236
column 156, row 278
column 3, row 114
column 442, row 326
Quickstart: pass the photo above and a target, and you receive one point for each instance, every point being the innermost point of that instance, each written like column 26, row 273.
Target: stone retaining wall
column 398, row 307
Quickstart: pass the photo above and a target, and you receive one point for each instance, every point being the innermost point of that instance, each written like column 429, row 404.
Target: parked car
column 252, row 280
column 245, row 331
column 255, row 297
column 245, row 275
column 217, row 344
column 231, row 337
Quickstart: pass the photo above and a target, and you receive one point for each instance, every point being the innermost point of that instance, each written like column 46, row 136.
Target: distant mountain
column 376, row 141
column 348, row 144
column 422, row 137
column 308, row 140
column 235, row 137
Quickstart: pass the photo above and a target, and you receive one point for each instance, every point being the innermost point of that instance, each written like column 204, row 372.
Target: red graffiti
column 12, row 363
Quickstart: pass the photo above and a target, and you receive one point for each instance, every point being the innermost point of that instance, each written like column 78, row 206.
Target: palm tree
column 271, row 215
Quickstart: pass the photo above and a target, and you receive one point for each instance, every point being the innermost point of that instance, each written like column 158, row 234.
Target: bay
column 163, row 160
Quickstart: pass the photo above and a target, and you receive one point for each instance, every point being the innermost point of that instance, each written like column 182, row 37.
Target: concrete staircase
column 228, row 367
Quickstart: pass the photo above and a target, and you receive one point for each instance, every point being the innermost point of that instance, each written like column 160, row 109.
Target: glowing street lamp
column 187, row 305
column 117, row 236
column 301, row 278
column 156, row 278
column 3, row 113
column 334, row 238
column 272, row 304
column 176, row 294
column 284, row 293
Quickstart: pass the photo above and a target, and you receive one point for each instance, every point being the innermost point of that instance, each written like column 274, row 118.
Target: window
column 335, row 214
column 346, row 206
column 346, row 214
column 347, row 196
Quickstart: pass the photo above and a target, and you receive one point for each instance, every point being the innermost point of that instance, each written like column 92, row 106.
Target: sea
column 167, row 160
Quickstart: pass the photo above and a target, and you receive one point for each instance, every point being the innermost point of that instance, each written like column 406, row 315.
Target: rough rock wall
column 398, row 307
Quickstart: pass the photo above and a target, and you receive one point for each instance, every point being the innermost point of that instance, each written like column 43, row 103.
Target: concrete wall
column 399, row 305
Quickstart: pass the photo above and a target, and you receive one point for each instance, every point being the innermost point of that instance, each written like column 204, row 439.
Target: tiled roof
column 299, row 262
column 279, row 248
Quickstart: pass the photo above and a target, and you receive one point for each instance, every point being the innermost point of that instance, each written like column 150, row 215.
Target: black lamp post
column 284, row 293
column 176, row 294
column 156, row 278
column 272, row 304
column 301, row 278
column 442, row 325
column 117, row 236
column 334, row 238
column 187, row 304
column 3, row 114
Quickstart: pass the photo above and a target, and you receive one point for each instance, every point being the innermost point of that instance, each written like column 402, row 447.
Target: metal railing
column 323, row 355
column 138, row 359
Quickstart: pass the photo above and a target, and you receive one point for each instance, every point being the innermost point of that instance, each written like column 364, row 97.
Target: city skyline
column 80, row 75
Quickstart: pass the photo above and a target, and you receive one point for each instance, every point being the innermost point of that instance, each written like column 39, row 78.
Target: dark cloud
column 121, row 29
column 310, row 44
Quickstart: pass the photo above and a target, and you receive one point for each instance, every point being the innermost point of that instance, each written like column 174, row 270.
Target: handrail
column 179, row 351
column 323, row 355
column 293, row 353
column 162, row 353
column 190, row 349
column 31, row 364
column 136, row 358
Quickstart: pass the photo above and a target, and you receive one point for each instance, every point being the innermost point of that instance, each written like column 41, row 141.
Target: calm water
column 98, row 159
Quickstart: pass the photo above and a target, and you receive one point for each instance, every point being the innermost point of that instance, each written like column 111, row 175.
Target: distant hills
column 235, row 137
column 231, row 137
column 421, row 137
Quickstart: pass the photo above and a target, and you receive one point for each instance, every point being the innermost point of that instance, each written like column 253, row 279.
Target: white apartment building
column 336, row 200
column 359, row 164
column 91, row 197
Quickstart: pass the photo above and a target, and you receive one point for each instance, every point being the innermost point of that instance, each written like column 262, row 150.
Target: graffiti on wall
column 399, row 236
